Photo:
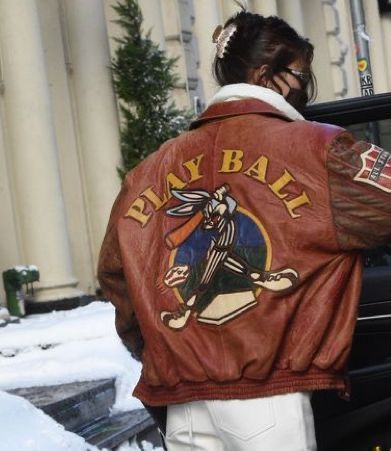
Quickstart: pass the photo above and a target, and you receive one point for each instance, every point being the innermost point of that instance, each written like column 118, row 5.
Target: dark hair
column 262, row 40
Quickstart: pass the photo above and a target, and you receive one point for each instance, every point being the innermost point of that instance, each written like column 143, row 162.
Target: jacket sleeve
column 360, row 192
column 113, row 283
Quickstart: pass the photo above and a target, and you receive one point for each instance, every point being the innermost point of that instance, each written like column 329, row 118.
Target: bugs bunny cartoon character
column 215, row 211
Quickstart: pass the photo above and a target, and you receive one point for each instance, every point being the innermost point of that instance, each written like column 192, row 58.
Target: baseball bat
column 177, row 236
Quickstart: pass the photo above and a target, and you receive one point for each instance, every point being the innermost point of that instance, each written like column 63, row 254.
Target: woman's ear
column 260, row 77
column 256, row 76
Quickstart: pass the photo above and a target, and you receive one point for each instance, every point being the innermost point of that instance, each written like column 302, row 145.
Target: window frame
column 351, row 111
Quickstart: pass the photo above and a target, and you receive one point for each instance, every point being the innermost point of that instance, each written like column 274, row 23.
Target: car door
column 364, row 422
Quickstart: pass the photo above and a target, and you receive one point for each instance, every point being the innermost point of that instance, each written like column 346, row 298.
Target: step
column 109, row 432
column 62, row 304
column 84, row 408
column 72, row 405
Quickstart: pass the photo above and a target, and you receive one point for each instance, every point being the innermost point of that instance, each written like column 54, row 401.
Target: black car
column 364, row 422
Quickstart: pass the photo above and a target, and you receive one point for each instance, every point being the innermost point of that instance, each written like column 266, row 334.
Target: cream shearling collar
column 239, row 91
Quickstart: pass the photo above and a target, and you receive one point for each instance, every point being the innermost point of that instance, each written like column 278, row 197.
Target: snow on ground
column 145, row 446
column 26, row 428
column 59, row 348
column 68, row 346
column 3, row 314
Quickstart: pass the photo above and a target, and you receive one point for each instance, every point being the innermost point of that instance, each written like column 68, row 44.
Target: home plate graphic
column 220, row 260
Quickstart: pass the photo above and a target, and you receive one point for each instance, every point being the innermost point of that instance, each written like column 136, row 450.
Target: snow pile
column 60, row 348
column 21, row 268
column 145, row 446
column 92, row 321
column 25, row 428
column 3, row 314
column 68, row 346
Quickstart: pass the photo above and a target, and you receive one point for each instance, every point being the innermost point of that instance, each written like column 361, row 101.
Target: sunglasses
column 303, row 77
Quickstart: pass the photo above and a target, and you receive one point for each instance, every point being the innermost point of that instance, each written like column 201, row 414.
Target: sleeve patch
column 376, row 168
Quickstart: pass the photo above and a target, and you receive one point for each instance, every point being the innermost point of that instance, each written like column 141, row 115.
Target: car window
column 362, row 131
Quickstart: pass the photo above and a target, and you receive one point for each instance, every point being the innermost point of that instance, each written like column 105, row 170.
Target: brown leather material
column 223, row 110
column 112, row 280
column 213, row 325
column 362, row 211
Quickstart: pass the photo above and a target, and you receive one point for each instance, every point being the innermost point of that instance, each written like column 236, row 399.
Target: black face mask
column 298, row 98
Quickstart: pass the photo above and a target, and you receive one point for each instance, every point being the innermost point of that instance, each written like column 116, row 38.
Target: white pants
column 275, row 423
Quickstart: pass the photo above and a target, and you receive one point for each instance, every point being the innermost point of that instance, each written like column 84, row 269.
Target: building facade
column 59, row 120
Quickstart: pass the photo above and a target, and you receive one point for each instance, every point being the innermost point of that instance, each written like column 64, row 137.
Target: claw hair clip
column 221, row 37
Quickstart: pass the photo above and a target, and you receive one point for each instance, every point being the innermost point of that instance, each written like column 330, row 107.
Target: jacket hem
column 277, row 384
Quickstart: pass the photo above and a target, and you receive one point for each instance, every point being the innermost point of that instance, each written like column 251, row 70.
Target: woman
column 265, row 52
column 232, row 253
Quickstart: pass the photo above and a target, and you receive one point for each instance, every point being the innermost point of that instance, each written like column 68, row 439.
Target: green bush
column 143, row 80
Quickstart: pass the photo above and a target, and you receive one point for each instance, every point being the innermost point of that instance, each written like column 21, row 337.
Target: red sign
column 376, row 168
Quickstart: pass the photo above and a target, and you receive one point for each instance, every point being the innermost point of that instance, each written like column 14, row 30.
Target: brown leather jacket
column 232, row 254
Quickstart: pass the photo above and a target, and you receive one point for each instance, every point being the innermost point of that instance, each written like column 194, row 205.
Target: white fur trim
column 239, row 91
